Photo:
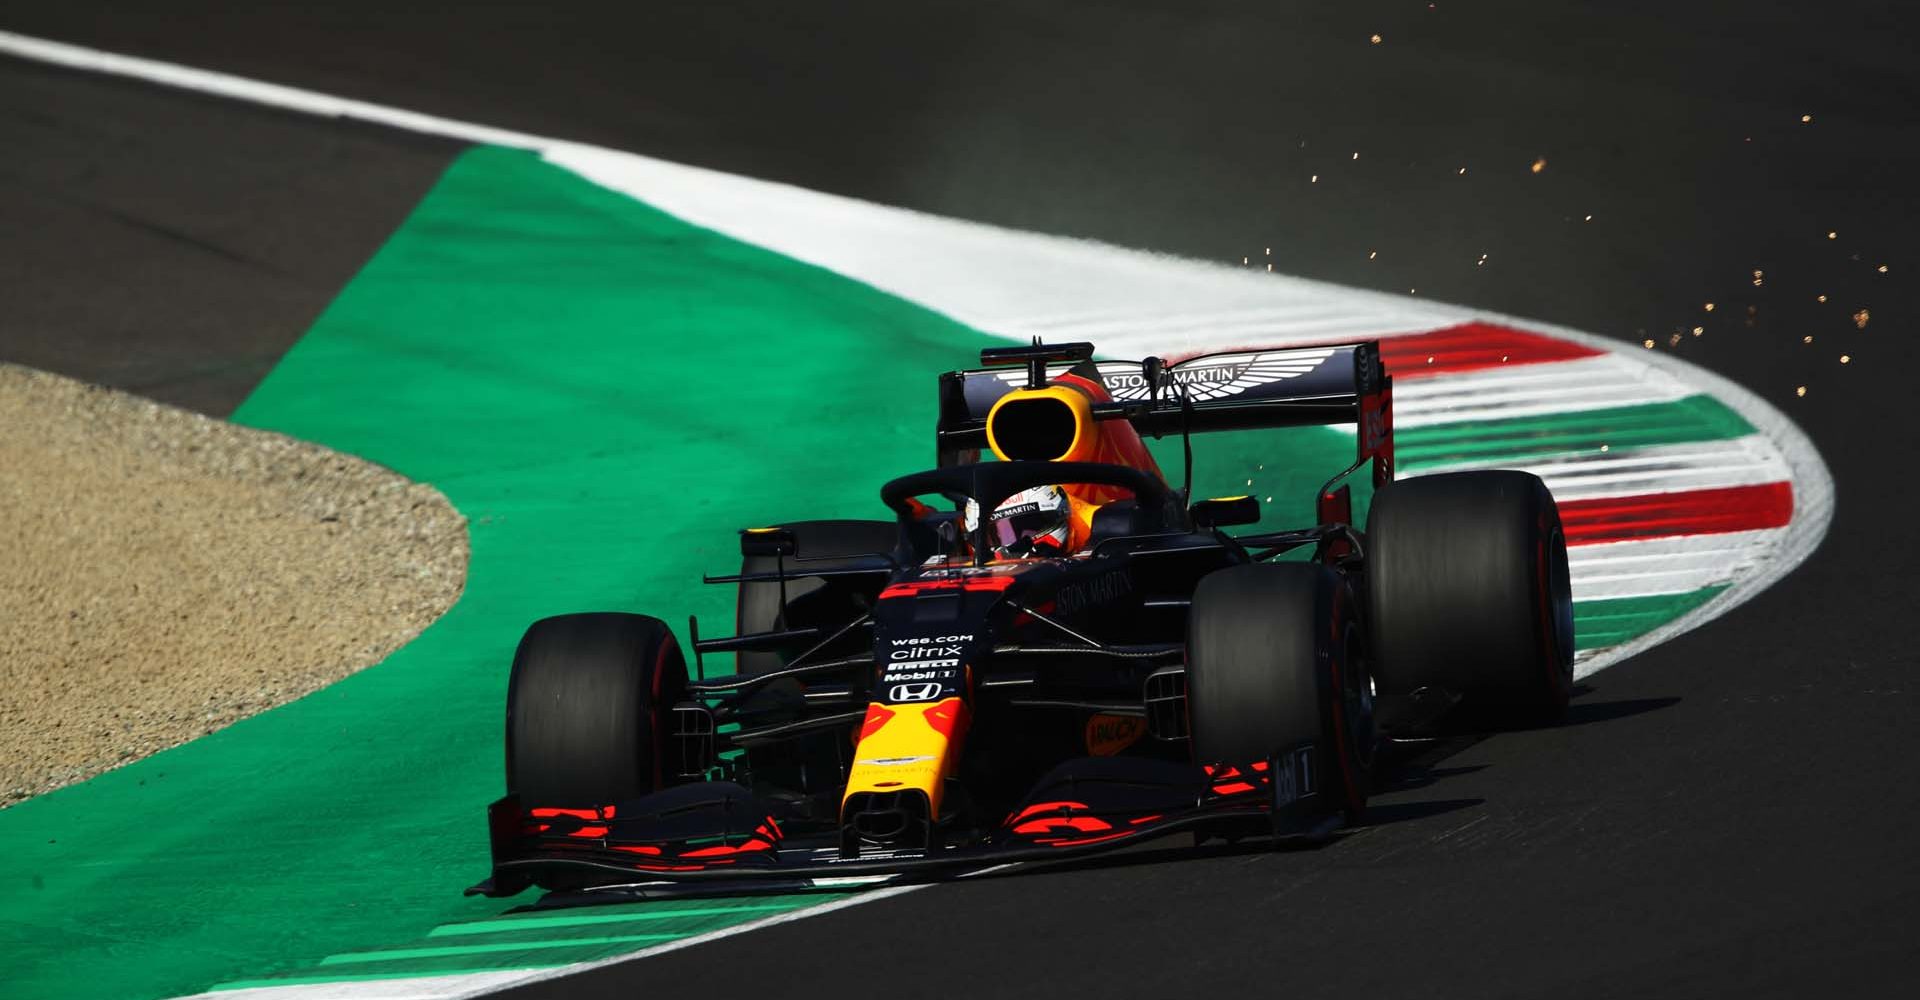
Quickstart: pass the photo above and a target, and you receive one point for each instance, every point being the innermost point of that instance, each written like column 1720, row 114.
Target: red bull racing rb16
column 1048, row 653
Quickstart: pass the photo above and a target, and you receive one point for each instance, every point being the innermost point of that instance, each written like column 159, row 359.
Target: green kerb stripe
column 1616, row 620
column 506, row 924
column 364, row 977
column 358, row 957
column 1695, row 418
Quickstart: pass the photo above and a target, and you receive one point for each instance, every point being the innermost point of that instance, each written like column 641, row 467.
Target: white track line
column 1665, row 468
column 1598, row 383
column 1654, row 566
column 1016, row 284
column 479, row 984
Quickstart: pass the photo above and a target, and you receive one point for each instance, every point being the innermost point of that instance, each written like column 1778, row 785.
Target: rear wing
column 1236, row 390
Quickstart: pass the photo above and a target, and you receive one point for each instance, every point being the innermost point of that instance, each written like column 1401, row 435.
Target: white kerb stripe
column 478, row 984
column 1597, row 383
column 1666, row 468
column 1678, row 565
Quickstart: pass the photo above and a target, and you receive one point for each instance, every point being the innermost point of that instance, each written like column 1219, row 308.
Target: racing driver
column 1039, row 521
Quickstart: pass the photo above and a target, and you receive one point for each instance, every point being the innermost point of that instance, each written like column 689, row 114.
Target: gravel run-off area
column 164, row 574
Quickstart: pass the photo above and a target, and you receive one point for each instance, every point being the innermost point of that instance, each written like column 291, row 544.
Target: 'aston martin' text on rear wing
column 1238, row 390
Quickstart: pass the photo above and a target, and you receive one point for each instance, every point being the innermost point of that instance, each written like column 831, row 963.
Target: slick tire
column 1468, row 593
column 1275, row 659
column 819, row 543
column 588, row 708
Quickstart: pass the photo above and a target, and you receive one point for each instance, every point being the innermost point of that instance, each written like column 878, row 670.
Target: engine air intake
column 1041, row 425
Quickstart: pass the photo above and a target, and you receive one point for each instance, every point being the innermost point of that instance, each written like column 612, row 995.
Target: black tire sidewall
column 1268, row 647
column 588, row 705
column 1467, row 591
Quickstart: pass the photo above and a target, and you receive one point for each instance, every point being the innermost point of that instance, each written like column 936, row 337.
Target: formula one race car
column 1042, row 656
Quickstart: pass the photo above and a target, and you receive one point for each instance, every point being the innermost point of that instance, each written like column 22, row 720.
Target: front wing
column 715, row 837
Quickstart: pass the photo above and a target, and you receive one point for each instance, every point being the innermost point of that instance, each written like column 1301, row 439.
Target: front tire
column 589, row 708
column 1275, row 659
column 1469, row 593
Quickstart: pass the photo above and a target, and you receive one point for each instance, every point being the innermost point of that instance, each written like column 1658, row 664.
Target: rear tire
column 1274, row 660
column 819, row 543
column 1469, row 593
column 588, row 708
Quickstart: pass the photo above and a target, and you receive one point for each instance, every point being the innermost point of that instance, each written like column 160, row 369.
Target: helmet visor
column 1010, row 528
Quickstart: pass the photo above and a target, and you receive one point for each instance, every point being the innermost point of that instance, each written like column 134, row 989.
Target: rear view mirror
column 766, row 542
column 1221, row 512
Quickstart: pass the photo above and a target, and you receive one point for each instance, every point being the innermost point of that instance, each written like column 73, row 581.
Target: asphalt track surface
column 173, row 245
column 1730, row 812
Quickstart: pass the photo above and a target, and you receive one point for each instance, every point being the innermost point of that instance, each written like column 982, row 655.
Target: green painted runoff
column 607, row 393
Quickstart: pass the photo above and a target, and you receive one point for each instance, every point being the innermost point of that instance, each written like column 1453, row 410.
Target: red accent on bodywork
column 1232, row 788
column 720, row 850
column 877, row 718
column 639, row 849
column 1374, row 436
column 1144, row 819
column 1041, row 807
column 1048, row 824
column 575, row 813
column 945, row 717
column 1116, row 835
column 1120, row 444
column 914, row 588
column 590, row 832
column 1695, row 512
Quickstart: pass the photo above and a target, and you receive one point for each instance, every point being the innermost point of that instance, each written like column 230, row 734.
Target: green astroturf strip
column 607, row 393
column 376, row 975
column 583, row 944
column 1695, row 418
column 598, row 918
column 1283, row 469
column 1615, row 620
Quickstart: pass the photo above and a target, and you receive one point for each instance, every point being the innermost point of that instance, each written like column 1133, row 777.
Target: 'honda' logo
column 914, row 692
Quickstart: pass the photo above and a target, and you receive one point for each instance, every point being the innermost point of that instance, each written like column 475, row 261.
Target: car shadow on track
column 1181, row 848
column 1581, row 713
column 1405, row 766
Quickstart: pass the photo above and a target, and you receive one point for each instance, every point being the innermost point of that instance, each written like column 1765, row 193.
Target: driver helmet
column 1034, row 521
